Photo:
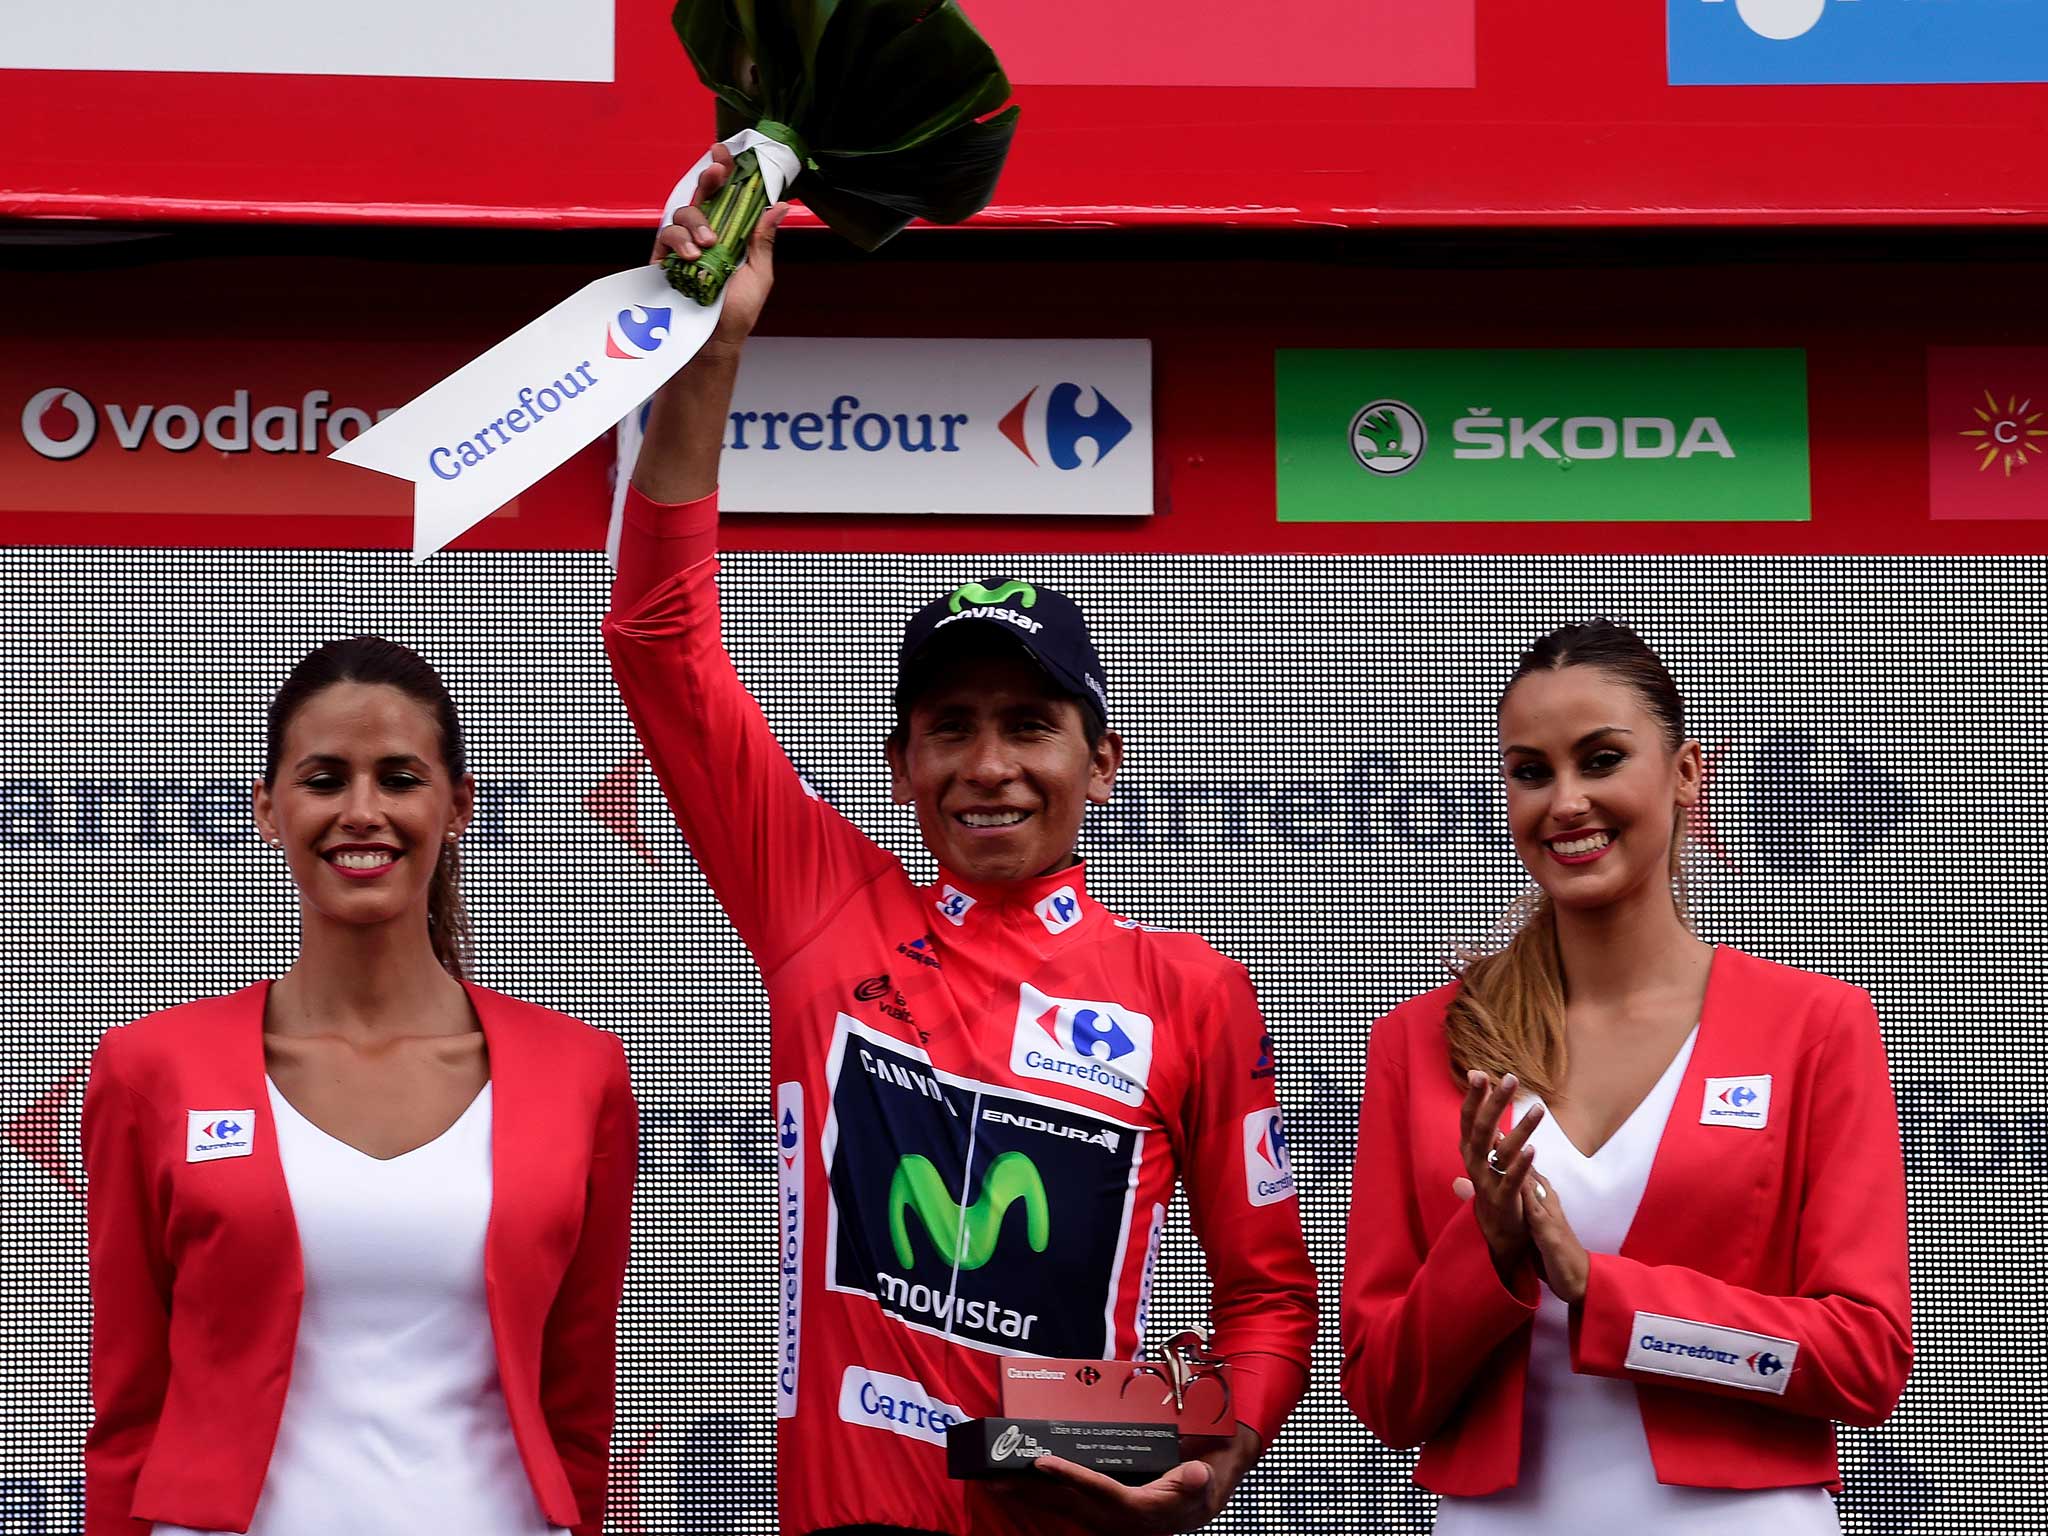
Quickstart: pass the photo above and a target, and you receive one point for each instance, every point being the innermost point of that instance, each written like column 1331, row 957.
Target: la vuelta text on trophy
column 1124, row 1418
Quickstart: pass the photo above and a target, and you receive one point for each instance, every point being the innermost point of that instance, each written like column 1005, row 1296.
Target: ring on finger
column 1493, row 1162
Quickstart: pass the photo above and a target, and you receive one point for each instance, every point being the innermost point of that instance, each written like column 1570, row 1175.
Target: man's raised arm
column 779, row 860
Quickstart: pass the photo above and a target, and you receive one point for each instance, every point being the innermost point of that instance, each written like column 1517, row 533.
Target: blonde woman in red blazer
column 1755, row 1290
column 263, row 1357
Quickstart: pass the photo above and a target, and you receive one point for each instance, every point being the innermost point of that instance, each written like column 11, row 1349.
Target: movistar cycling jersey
column 984, row 1095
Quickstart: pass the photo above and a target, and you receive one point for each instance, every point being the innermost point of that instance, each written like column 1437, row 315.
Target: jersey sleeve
column 1242, row 1205
column 1423, row 1311
column 130, row 1280
column 778, row 858
column 1840, row 1346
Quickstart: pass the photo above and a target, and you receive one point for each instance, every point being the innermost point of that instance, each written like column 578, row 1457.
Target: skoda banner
column 1595, row 436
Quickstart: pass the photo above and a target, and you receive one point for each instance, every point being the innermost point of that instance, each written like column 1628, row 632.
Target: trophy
column 1124, row 1418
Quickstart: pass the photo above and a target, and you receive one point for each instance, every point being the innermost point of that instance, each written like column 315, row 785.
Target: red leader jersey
column 983, row 1097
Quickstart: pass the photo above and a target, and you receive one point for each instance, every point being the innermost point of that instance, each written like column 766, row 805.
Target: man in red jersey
column 985, row 1087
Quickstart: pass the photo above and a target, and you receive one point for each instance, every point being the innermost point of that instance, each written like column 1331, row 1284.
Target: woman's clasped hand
column 1520, row 1216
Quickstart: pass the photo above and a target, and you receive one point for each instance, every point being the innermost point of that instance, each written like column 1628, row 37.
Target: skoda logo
column 1388, row 437
column 59, row 423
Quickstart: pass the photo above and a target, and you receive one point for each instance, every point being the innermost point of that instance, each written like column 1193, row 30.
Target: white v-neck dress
column 394, row 1422
column 1586, row 1465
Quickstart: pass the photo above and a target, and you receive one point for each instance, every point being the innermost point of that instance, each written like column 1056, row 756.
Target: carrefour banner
column 1595, row 435
column 1857, row 42
column 870, row 425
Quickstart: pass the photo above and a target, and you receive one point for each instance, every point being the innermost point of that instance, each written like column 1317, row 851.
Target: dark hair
column 1508, row 1014
column 369, row 659
column 1618, row 651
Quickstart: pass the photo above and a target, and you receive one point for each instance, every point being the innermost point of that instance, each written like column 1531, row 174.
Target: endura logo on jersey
column 1268, row 1167
column 969, row 1210
column 1102, row 1047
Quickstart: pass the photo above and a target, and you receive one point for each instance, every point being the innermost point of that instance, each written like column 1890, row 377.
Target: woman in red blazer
column 358, row 1236
column 1728, row 1124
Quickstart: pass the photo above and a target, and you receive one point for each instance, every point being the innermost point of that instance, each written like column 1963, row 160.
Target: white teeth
column 992, row 818
column 362, row 860
column 1591, row 843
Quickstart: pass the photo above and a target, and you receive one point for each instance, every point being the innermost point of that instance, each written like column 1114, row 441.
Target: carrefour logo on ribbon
column 637, row 331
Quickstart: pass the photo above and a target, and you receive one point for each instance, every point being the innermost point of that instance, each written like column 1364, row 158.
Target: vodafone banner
column 867, row 425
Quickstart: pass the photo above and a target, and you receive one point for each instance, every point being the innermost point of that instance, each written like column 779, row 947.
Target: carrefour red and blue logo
column 637, row 331
column 1048, row 426
column 1268, row 1164
column 222, row 1130
column 1101, row 1047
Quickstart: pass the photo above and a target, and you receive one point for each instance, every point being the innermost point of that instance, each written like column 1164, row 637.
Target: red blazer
column 196, row 1278
column 1760, row 1294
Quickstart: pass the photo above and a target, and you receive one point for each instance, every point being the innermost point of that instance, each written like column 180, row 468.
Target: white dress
column 394, row 1423
column 1586, row 1465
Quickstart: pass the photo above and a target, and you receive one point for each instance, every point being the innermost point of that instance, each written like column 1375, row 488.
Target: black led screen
column 1310, row 784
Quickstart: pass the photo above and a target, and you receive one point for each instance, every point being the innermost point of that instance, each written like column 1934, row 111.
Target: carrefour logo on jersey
column 1268, row 1166
column 836, row 424
column 62, row 423
column 1104, row 1048
column 1851, row 42
column 1613, row 435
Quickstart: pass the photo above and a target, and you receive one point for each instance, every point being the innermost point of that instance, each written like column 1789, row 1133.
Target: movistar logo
column 966, row 1238
column 975, row 592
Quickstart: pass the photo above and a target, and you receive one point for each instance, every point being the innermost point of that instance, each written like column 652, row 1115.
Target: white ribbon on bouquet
column 497, row 424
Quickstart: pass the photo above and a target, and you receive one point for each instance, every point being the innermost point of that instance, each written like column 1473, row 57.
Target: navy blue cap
column 1047, row 624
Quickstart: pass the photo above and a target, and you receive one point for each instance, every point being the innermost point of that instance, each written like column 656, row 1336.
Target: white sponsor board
column 452, row 39
column 860, row 425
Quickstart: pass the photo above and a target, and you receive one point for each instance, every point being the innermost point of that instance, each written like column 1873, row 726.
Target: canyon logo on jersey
column 1102, row 1047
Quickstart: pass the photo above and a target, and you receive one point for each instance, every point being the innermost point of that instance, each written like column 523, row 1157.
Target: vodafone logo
column 59, row 423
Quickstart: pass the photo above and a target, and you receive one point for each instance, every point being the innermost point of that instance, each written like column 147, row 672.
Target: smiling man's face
column 998, row 762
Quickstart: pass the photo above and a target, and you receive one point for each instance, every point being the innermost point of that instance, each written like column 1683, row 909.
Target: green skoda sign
column 1599, row 436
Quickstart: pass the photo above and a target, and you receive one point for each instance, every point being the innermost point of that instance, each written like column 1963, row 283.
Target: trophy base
column 1002, row 1447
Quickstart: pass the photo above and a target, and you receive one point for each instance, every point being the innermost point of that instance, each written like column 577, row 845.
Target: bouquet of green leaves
column 881, row 101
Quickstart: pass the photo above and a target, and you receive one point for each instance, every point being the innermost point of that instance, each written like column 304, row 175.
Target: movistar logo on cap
column 966, row 1237
column 975, row 592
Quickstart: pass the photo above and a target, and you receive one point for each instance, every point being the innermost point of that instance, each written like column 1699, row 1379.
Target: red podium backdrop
column 1316, row 113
